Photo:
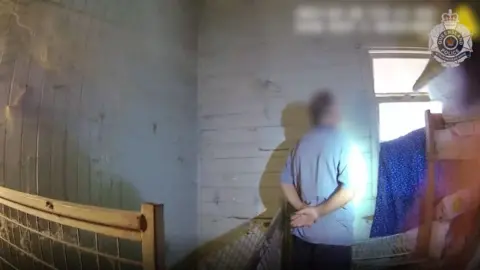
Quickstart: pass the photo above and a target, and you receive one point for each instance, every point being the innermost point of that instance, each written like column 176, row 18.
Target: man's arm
column 345, row 191
column 292, row 197
column 288, row 185
column 308, row 215
column 339, row 199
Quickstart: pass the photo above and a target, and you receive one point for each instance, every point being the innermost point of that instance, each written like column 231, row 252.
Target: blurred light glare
column 335, row 14
column 401, row 13
column 365, row 19
column 358, row 171
column 468, row 18
column 310, row 27
column 383, row 28
column 341, row 28
column 308, row 12
column 356, row 13
column 397, row 119
column 380, row 14
column 364, row 27
column 400, row 27
column 425, row 13
column 421, row 27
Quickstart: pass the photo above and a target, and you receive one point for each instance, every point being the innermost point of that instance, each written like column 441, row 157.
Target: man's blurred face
column 333, row 116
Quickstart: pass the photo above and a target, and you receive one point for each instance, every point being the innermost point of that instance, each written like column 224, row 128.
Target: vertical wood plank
column 73, row 111
column 83, row 158
column 59, row 140
column 27, row 101
column 14, row 134
column 153, row 238
column 432, row 122
column 91, row 107
column 44, row 138
column 61, row 89
column 71, row 156
column 7, row 62
column 30, row 128
column 83, row 134
column 109, row 97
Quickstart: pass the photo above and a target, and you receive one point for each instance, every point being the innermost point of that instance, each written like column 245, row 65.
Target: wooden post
column 286, row 238
column 153, row 237
column 432, row 122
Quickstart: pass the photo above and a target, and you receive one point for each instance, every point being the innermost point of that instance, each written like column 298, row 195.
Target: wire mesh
column 259, row 248
column 237, row 254
column 271, row 250
column 385, row 247
column 29, row 242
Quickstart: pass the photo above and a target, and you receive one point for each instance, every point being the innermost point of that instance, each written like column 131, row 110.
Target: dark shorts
column 307, row 256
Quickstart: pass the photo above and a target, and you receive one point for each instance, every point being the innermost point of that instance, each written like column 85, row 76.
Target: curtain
column 402, row 166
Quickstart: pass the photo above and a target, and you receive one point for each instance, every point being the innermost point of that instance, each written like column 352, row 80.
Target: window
column 400, row 109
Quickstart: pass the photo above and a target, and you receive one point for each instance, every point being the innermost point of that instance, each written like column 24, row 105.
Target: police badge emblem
column 450, row 42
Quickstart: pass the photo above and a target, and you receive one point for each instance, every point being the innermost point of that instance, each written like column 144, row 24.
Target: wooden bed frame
column 146, row 228
column 440, row 147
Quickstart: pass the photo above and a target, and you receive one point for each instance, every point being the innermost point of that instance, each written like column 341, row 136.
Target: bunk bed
column 452, row 143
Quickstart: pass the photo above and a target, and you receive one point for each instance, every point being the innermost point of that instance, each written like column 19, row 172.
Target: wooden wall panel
column 81, row 85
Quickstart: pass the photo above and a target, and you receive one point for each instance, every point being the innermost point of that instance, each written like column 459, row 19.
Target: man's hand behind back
column 305, row 217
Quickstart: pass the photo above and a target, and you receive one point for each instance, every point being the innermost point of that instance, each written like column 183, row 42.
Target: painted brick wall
column 257, row 64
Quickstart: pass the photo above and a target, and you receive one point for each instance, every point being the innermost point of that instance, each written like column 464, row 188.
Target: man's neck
column 326, row 125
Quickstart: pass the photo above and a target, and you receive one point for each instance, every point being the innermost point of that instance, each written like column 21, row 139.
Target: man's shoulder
column 342, row 135
column 330, row 136
column 338, row 135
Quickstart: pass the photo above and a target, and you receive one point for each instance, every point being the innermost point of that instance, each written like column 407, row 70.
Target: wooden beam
column 432, row 122
column 80, row 224
column 128, row 220
column 153, row 238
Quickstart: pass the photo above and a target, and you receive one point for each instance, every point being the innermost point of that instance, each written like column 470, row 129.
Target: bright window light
column 397, row 75
column 398, row 119
column 358, row 170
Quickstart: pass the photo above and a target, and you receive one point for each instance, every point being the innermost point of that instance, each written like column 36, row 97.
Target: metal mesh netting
column 384, row 247
column 259, row 248
column 237, row 254
column 271, row 251
column 29, row 242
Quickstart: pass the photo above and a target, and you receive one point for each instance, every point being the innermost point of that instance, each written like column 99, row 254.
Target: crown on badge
column 450, row 19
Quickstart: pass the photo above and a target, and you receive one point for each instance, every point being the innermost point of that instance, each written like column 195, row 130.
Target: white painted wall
column 254, row 67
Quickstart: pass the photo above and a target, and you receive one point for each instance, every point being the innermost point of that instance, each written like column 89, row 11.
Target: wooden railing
column 41, row 233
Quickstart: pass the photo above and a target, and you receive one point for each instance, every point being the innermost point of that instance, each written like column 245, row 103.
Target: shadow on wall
column 295, row 123
column 235, row 247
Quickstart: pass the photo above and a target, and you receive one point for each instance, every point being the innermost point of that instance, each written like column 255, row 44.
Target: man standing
column 316, row 183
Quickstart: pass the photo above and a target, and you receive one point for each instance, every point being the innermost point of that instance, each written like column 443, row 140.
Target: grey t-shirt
column 317, row 167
